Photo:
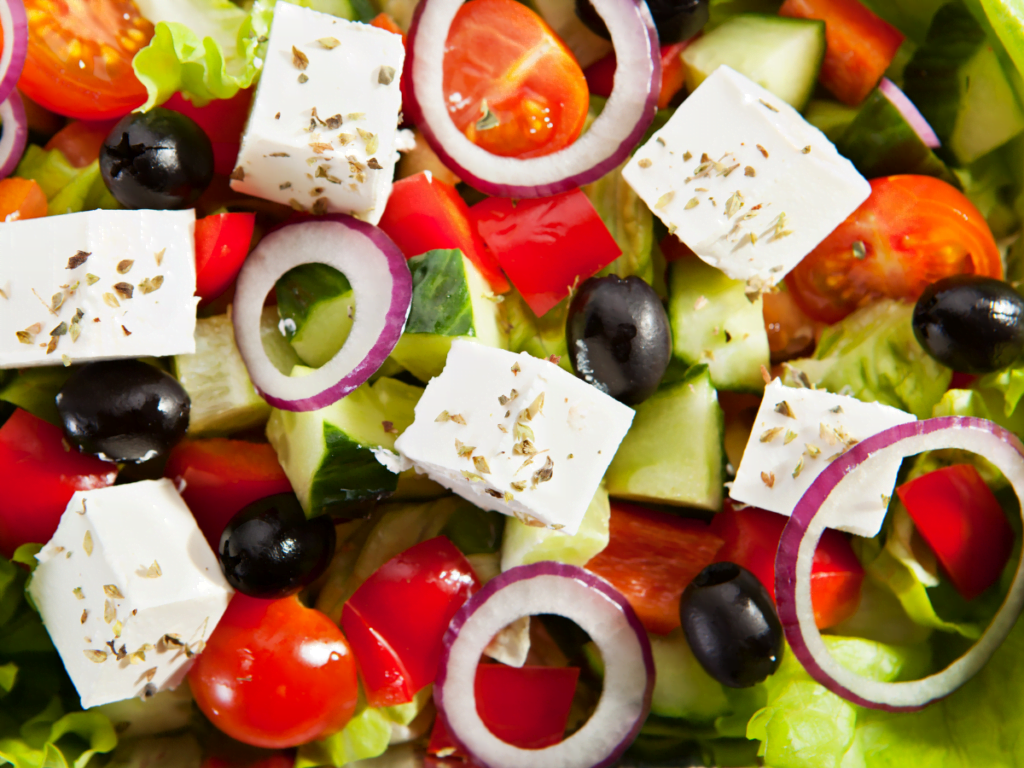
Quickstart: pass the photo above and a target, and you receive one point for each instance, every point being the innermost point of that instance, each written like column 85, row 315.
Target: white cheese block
column 147, row 254
column 323, row 127
column 796, row 434
column 741, row 178
column 129, row 590
column 515, row 434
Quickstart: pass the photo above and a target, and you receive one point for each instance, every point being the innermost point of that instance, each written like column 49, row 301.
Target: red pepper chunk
column 396, row 620
column 222, row 243
column 547, row 246
column 601, row 74
column 962, row 521
column 223, row 121
column 39, row 473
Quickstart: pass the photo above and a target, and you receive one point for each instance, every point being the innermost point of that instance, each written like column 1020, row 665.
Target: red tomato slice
column 39, row 474
column 513, row 86
column 80, row 141
column 80, row 55
column 910, row 232
column 21, row 199
column 651, row 557
column 960, row 518
column 222, row 243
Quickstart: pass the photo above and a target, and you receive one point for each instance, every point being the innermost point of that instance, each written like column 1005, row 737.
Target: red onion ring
column 810, row 517
column 910, row 113
column 14, row 22
column 382, row 285
column 594, row 604
column 628, row 113
column 15, row 133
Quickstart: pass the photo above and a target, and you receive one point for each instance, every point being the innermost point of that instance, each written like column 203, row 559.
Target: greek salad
column 511, row 383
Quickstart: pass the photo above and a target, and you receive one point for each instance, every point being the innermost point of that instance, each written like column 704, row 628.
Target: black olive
column 270, row 550
column 676, row 20
column 731, row 625
column 156, row 159
column 123, row 410
column 971, row 323
column 618, row 337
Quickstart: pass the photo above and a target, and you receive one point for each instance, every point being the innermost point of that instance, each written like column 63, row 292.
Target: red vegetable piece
column 752, row 540
column 222, row 243
column 960, row 518
column 278, row 760
column 395, row 621
column 388, row 24
column 80, row 140
column 223, row 121
column 601, row 74
column 650, row 558
column 859, row 46
column 546, row 245
column 39, row 473
column 424, row 213
column 219, row 477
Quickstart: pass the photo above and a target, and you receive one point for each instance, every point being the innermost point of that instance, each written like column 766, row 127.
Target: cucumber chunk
column 713, row 322
column 673, row 452
column 681, row 686
column 829, row 117
column 317, row 306
column 779, row 53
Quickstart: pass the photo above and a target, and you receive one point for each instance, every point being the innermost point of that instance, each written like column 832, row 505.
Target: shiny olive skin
column 270, row 550
column 731, row 625
column 676, row 20
column 618, row 337
column 970, row 323
column 157, row 159
column 123, row 410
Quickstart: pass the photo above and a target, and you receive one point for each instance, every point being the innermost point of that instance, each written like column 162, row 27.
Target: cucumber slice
column 681, row 686
column 275, row 343
column 713, row 322
column 779, row 53
column 327, row 454
column 217, row 382
column 958, row 83
column 829, row 117
column 317, row 306
column 687, row 469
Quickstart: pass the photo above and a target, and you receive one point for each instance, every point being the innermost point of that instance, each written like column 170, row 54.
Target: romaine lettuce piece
column 366, row 735
column 67, row 189
column 629, row 220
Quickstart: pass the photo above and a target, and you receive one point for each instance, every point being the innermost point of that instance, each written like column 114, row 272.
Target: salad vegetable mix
column 511, row 383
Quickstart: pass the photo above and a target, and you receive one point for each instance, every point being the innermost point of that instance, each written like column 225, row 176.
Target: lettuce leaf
column 1007, row 20
column 630, row 222
column 367, row 735
column 67, row 189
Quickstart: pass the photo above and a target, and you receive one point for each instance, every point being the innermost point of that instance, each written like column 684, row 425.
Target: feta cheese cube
column 741, row 178
column 515, row 434
column 323, row 127
column 129, row 590
column 796, row 434
column 131, row 275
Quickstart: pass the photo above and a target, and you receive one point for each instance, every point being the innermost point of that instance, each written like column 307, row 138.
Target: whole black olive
column 731, row 625
column 123, row 410
column 971, row 323
column 156, row 159
column 270, row 550
column 676, row 20
column 618, row 337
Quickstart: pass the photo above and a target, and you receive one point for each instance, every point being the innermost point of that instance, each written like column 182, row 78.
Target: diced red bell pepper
column 219, row 477
column 546, row 245
column 80, row 140
column 424, row 213
column 396, row 620
column 222, row 243
column 223, row 121
column 388, row 24
column 601, row 74
column 277, row 760
column 859, row 46
column 527, row 707
column 39, row 472
column 752, row 538
column 650, row 558
column 960, row 518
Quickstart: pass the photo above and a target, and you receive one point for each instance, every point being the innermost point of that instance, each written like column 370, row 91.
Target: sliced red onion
column 597, row 607
column 628, row 113
column 15, row 134
column 824, row 498
column 14, row 22
column 381, row 284
column 910, row 113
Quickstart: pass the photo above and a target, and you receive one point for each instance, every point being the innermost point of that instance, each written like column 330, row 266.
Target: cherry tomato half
column 910, row 232
column 512, row 85
column 80, row 55
column 275, row 674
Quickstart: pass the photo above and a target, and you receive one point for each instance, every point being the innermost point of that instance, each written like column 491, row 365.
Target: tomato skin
column 960, row 518
column 21, row 199
column 222, row 243
column 80, row 141
column 80, row 55
column 39, row 474
column 914, row 229
column 275, row 674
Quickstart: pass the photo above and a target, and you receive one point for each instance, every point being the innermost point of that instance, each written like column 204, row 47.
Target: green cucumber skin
column 348, row 474
column 301, row 289
column 440, row 296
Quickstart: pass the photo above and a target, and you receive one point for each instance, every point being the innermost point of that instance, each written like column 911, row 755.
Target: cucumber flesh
column 681, row 686
column 781, row 54
column 829, row 117
column 317, row 307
